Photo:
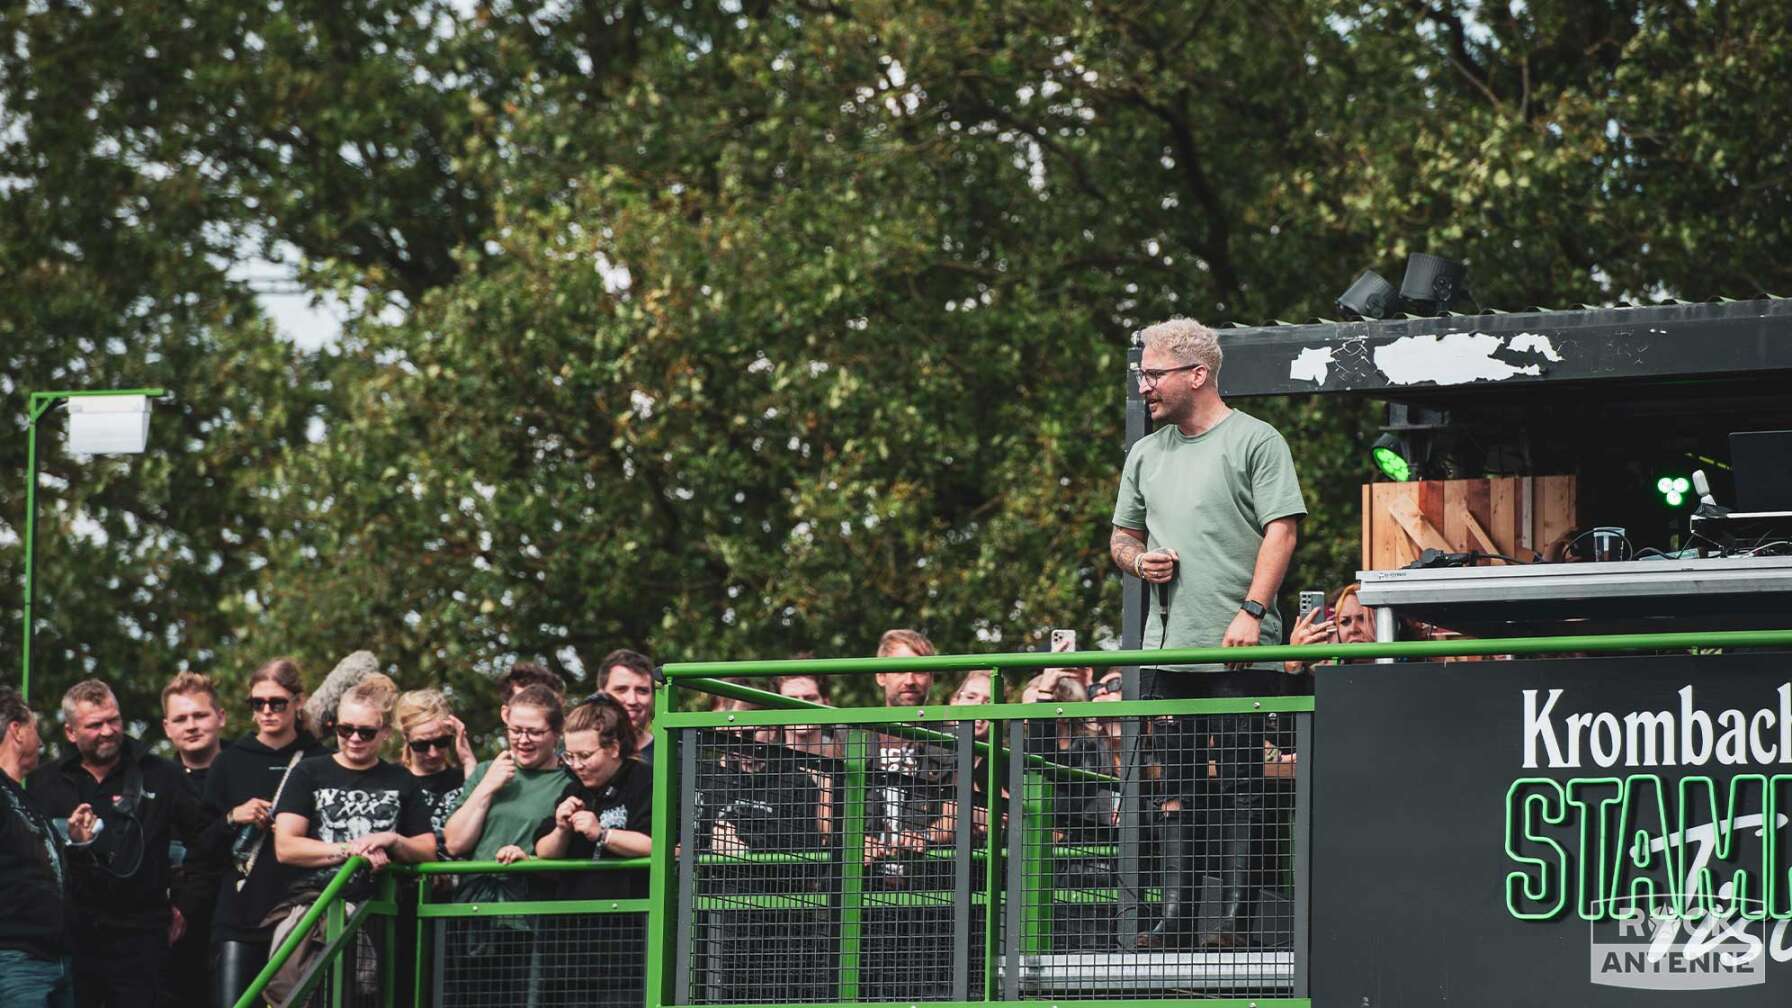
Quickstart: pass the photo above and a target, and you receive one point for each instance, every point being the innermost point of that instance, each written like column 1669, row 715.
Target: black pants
column 187, row 977
column 1232, row 743
column 119, row 967
column 1213, row 765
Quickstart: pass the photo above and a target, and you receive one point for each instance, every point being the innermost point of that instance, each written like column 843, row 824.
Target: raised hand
column 499, row 773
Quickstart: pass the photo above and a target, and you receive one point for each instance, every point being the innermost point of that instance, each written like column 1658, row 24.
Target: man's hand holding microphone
column 1156, row 566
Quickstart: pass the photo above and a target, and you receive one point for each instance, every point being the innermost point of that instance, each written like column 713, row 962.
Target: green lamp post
column 101, row 422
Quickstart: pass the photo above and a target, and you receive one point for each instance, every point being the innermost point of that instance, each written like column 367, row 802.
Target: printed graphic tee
column 624, row 802
column 341, row 805
column 441, row 792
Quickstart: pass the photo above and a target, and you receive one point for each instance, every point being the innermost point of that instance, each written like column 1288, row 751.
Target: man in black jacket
column 194, row 720
column 124, row 919
column 34, row 944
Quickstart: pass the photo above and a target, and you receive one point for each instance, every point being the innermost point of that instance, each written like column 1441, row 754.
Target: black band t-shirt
column 343, row 805
column 625, row 802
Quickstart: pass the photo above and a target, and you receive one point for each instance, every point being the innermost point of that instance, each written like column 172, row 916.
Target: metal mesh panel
column 777, row 911
column 1145, row 858
column 1209, row 910
column 539, row 960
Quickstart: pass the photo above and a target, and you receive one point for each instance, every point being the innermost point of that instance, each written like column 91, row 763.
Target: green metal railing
column 928, row 723
column 328, row 902
column 341, row 927
column 1015, row 815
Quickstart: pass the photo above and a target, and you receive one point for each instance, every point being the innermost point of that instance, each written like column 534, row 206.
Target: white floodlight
column 108, row 425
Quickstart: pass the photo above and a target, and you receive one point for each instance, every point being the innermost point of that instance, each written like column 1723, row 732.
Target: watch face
column 1253, row 607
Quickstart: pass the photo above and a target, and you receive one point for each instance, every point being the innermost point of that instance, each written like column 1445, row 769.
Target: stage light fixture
column 1369, row 296
column 1673, row 490
column 1389, row 453
column 1432, row 282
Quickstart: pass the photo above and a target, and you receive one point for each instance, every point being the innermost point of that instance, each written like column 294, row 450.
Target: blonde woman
column 436, row 752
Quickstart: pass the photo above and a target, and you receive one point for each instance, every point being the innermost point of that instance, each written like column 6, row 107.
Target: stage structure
column 1604, row 817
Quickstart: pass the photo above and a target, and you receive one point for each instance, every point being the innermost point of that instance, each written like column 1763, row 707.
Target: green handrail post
column 852, row 866
column 298, row 934
column 37, row 404
column 389, row 893
column 1036, row 866
column 333, row 918
column 992, row 864
column 417, row 971
column 661, row 925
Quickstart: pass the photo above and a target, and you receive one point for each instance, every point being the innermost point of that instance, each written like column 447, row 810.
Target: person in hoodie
column 124, row 920
column 239, row 796
column 34, row 945
column 194, row 721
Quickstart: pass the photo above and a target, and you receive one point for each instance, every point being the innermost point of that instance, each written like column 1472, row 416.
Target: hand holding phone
column 1311, row 601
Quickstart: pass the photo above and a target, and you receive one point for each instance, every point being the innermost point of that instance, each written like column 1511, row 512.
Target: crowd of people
column 131, row 879
column 119, row 866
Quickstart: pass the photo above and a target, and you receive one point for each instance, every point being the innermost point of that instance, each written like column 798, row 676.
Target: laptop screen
column 1763, row 467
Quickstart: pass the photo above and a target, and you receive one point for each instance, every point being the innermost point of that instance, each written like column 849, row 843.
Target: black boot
column 235, row 967
column 1182, row 902
column 1237, row 895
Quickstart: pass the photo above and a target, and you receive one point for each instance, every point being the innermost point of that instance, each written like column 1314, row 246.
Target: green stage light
column 1673, row 490
column 1389, row 453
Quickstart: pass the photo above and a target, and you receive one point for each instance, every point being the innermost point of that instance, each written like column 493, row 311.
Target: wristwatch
column 1252, row 608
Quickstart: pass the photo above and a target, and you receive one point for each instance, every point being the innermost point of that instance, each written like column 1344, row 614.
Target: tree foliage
column 752, row 328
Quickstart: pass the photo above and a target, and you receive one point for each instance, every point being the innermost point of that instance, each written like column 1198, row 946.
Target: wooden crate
column 1519, row 516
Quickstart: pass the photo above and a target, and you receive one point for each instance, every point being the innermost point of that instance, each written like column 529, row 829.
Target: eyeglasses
column 527, row 733
column 1149, row 377
column 274, row 705
column 580, row 758
column 362, row 732
column 423, row 745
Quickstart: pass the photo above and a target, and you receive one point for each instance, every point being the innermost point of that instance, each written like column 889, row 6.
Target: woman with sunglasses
column 239, row 791
column 352, row 803
column 436, row 752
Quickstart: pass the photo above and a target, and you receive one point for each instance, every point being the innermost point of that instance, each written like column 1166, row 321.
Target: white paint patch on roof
column 1536, row 343
column 1451, row 359
column 1311, row 365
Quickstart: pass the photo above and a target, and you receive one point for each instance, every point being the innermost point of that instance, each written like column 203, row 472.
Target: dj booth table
column 1727, row 593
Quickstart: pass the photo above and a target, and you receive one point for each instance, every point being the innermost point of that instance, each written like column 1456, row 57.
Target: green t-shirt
column 1208, row 497
column 516, row 810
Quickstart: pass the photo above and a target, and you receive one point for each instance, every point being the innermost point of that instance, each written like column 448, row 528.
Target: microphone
column 1708, row 505
column 320, row 709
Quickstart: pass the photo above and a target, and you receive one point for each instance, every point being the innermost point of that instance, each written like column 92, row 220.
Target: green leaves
column 730, row 334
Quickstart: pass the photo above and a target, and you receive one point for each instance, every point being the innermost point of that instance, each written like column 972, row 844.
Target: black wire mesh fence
column 1135, row 858
column 537, row 959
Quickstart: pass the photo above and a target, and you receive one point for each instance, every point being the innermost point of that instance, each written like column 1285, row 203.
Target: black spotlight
column 1369, row 296
column 1432, row 282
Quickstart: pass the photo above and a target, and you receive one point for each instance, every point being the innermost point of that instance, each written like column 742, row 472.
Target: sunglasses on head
column 361, row 732
column 423, row 745
column 275, row 705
